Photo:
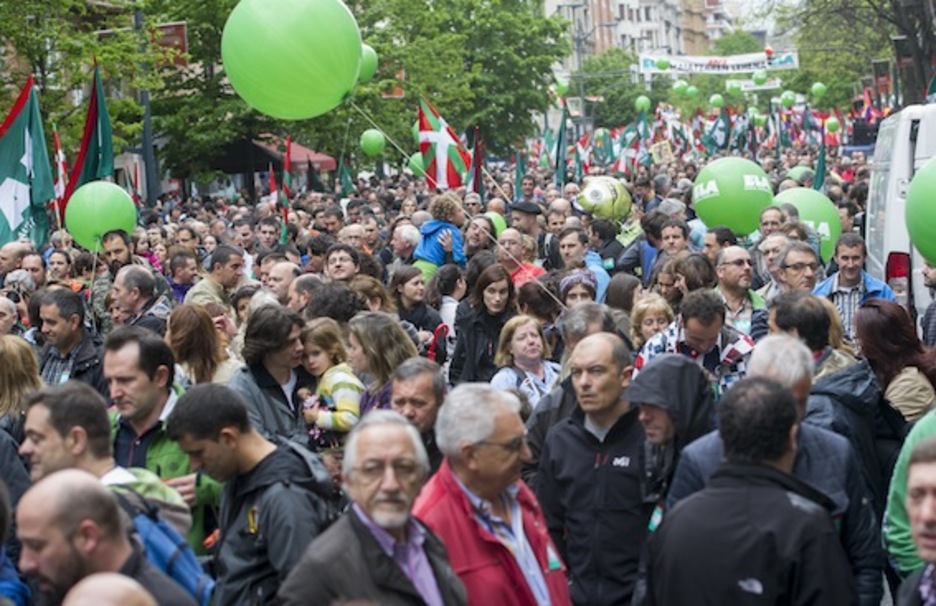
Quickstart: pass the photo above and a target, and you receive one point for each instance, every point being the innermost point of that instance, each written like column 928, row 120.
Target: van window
column 878, row 194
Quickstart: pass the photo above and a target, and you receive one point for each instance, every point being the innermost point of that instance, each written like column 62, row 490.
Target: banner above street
column 731, row 64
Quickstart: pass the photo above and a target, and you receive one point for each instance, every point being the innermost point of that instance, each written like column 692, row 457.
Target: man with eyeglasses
column 341, row 263
column 735, row 270
column 797, row 267
column 771, row 218
column 591, row 474
column 378, row 552
column 489, row 520
column 273, row 502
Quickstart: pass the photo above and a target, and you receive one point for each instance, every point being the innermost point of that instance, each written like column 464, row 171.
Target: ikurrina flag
column 95, row 159
column 25, row 174
column 446, row 159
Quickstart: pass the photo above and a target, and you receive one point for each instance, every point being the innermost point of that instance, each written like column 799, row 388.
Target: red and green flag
column 25, row 174
column 95, row 159
column 287, row 168
column 445, row 157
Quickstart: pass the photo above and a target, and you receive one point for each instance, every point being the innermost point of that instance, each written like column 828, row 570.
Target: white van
column 905, row 141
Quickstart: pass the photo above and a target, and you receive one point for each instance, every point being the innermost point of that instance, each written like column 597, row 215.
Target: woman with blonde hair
column 198, row 349
column 377, row 344
column 19, row 376
column 373, row 292
column 652, row 314
column 522, row 355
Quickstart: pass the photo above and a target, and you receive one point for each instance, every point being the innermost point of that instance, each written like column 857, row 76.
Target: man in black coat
column 378, row 552
column 755, row 534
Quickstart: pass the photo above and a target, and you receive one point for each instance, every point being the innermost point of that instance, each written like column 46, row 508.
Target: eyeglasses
column 405, row 470
column 515, row 445
column 798, row 267
column 739, row 263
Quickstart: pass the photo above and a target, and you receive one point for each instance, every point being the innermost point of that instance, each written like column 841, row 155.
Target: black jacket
column 346, row 564
column 591, row 496
column 268, row 517
column 88, row 367
column 270, row 412
column 478, row 334
column 425, row 318
column 554, row 407
column 754, row 536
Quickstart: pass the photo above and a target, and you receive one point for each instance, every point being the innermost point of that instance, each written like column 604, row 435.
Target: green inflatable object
column 919, row 212
column 832, row 124
column 373, row 142
column 818, row 212
column 692, row 91
column 732, row 192
column 717, row 101
column 499, row 223
column 97, row 208
column 642, row 103
column 368, row 64
column 788, row 99
column 417, row 165
column 291, row 59
column 604, row 197
column 759, row 77
column 662, row 63
column 818, row 90
column 680, row 87
column 562, row 87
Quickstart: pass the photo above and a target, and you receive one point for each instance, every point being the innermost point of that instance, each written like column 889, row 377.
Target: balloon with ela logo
column 97, row 208
column 818, row 212
column 919, row 215
column 732, row 192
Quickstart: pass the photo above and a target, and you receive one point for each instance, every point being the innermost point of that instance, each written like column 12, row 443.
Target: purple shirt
column 409, row 556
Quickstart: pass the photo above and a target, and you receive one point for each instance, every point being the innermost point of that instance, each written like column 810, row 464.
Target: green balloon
column 642, row 103
column 717, row 100
column 692, row 91
column 416, row 132
column 601, row 136
column 417, row 165
column 734, row 88
column 818, row 212
column 798, row 172
column 732, row 192
column 95, row 209
column 760, row 119
column 373, row 142
column 604, row 197
column 788, row 99
column 818, row 90
column 499, row 223
column 759, row 77
column 832, row 124
column 562, row 87
column 680, row 86
column 291, row 59
column 920, row 214
column 368, row 64
column 662, row 63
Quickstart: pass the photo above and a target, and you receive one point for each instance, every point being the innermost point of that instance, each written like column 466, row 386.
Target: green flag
column 25, row 174
column 519, row 171
column 95, row 159
column 819, row 178
column 344, row 179
column 560, row 159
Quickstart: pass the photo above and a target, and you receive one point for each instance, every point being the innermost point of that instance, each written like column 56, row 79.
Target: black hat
column 531, row 208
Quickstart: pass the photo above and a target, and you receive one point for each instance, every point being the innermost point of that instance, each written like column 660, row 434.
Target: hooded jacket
column 268, row 517
column 270, row 412
column 478, row 334
column 429, row 248
column 679, row 386
column 88, row 366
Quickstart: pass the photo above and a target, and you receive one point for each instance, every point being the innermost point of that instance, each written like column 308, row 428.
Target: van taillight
column 897, row 276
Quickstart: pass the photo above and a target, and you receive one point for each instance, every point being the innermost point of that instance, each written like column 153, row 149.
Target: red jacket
column 490, row 573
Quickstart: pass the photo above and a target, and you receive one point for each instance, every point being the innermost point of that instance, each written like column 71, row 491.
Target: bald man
column 281, row 276
column 108, row 589
column 69, row 525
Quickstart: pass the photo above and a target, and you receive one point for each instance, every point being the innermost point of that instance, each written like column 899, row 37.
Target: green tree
column 609, row 76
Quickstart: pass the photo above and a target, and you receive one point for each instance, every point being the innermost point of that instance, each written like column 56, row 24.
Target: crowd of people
column 419, row 397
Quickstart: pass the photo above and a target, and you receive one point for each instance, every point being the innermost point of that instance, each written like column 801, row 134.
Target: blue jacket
column 873, row 288
column 595, row 265
column 429, row 248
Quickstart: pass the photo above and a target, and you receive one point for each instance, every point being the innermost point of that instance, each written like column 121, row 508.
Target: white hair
column 10, row 305
column 467, row 417
column 783, row 358
column 383, row 418
column 409, row 233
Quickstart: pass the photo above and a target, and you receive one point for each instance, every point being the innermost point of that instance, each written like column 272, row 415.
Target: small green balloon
column 732, row 192
column 97, row 208
column 760, row 119
column 368, row 64
column 291, row 59
column 920, row 213
column 798, row 172
column 680, row 87
column 759, row 77
column 692, row 91
column 818, row 90
column 788, row 99
column 717, row 101
column 642, row 103
column 816, row 211
column 734, row 88
column 373, row 142
column 663, row 63
column 832, row 124
column 416, row 132
column 417, row 165
column 498, row 220
column 562, row 87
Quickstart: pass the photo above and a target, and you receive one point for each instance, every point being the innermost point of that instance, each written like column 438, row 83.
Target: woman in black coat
column 493, row 302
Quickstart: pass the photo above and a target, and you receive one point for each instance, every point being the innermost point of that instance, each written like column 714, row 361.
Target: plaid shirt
column 726, row 363
column 847, row 299
column 57, row 368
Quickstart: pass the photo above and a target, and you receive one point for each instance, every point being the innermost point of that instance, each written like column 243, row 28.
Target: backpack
column 165, row 548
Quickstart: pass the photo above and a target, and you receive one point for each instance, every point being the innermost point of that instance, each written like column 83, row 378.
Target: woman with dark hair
column 198, row 349
column 904, row 367
column 409, row 291
column 444, row 292
column 623, row 291
column 493, row 302
column 273, row 376
column 694, row 272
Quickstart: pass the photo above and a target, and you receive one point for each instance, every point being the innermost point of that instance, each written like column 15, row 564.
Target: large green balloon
column 920, row 213
column 692, row 91
column 417, row 164
column 291, row 59
column 642, row 103
column 498, row 220
column 373, row 142
column 759, row 77
column 604, row 197
column 818, row 212
column 717, row 100
column 95, row 209
column 680, row 87
column 368, row 64
column 732, row 192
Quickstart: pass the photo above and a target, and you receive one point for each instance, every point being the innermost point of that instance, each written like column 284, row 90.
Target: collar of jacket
column 755, row 473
